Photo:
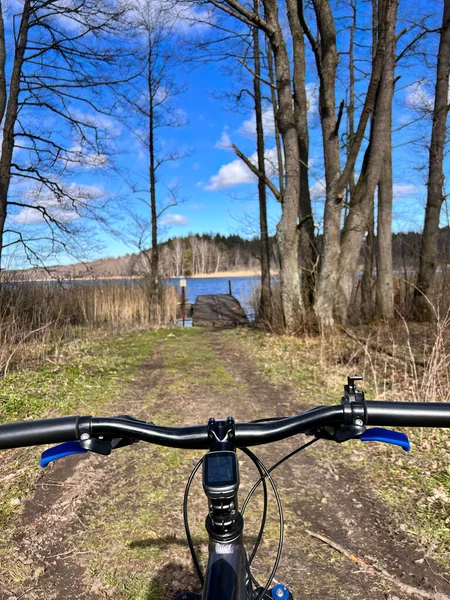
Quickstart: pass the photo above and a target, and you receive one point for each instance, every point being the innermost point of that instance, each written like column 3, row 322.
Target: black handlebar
column 36, row 433
column 408, row 414
column 53, row 431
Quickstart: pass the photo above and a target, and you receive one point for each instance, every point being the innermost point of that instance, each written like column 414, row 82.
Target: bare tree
column 385, row 284
column 266, row 296
column 194, row 246
column 326, row 57
column 59, row 63
column 287, row 232
column 435, row 195
column 361, row 202
column 178, row 254
column 151, row 97
column 203, row 253
column 306, row 220
column 274, row 101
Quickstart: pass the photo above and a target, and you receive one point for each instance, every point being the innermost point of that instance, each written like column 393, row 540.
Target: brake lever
column 96, row 445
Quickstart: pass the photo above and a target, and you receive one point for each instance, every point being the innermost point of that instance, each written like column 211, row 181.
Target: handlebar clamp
column 222, row 434
column 353, row 402
column 355, row 413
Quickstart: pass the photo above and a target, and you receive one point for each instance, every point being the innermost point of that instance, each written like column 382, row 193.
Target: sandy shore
column 225, row 274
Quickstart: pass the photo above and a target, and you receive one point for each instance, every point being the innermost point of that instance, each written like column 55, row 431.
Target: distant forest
column 213, row 253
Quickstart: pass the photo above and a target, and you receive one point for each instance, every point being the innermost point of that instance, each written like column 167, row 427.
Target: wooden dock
column 218, row 309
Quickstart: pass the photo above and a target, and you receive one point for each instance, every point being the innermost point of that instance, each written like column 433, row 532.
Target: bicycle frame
column 226, row 573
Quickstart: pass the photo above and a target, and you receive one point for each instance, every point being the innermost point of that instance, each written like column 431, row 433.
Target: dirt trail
column 112, row 528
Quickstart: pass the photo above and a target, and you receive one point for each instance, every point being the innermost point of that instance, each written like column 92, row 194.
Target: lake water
column 241, row 288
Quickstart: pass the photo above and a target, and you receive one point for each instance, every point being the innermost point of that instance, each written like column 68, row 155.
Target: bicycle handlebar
column 53, row 431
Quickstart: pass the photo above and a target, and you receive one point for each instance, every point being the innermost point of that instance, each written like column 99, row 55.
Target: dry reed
column 36, row 317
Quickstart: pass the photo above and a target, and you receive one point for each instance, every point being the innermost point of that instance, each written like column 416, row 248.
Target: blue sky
column 218, row 193
column 206, row 205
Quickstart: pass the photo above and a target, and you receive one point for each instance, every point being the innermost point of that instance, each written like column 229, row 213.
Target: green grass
column 91, row 374
column 138, row 549
column 190, row 360
column 415, row 485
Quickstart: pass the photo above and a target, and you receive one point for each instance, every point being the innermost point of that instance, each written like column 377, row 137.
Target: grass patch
column 415, row 485
column 190, row 360
column 89, row 375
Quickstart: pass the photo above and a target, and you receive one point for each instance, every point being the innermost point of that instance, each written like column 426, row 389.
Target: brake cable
column 267, row 474
column 264, row 515
column 275, row 466
column 186, row 522
column 264, row 473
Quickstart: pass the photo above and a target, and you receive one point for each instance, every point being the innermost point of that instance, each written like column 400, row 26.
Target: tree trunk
column 327, row 60
column 287, row 233
column 357, row 221
column 273, row 95
column 435, row 195
column 154, row 266
column 325, row 53
column 385, row 285
column 306, row 219
column 351, row 97
column 367, row 278
column 11, row 117
column 266, row 298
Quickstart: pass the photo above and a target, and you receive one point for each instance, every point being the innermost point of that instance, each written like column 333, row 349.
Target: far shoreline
column 218, row 275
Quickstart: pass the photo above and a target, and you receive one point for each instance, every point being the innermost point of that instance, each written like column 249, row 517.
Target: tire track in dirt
column 325, row 496
column 318, row 493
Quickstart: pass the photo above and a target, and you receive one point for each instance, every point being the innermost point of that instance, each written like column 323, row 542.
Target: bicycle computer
column 220, row 474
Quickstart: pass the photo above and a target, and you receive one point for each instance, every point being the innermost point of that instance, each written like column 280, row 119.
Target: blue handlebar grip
column 379, row 434
column 60, row 451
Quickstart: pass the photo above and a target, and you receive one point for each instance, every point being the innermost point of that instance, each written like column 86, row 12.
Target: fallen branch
column 374, row 569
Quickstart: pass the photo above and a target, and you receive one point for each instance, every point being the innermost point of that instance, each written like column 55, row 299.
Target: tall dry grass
column 38, row 317
column 402, row 359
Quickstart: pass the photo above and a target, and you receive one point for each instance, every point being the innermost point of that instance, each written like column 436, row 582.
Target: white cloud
column 248, row 127
column 233, row 173
column 418, row 98
column 237, row 173
column 318, row 190
column 197, row 206
column 175, row 16
column 107, row 125
column 64, row 208
column 174, row 219
column 224, row 143
column 402, row 190
column 312, row 97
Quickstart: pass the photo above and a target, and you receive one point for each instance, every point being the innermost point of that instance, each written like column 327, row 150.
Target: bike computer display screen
column 220, row 471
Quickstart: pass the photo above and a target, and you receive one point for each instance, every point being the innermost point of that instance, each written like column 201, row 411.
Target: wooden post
column 183, row 304
column 183, row 299
column 229, row 288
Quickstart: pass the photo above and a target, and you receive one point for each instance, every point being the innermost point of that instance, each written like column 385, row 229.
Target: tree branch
column 257, row 172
